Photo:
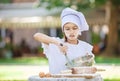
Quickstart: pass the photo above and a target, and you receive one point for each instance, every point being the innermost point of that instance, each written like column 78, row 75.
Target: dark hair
column 64, row 37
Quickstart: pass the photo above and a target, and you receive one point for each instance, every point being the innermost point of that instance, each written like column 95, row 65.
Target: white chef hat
column 70, row 15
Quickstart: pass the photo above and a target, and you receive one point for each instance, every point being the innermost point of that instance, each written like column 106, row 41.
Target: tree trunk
column 112, row 21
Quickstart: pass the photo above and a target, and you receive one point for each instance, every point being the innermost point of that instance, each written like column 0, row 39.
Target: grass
column 24, row 60
column 111, row 79
column 102, row 60
column 13, row 69
column 11, row 75
column 44, row 61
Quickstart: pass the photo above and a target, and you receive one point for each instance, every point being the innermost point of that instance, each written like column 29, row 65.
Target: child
column 73, row 23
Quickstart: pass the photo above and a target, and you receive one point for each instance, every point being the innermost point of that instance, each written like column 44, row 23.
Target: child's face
column 71, row 31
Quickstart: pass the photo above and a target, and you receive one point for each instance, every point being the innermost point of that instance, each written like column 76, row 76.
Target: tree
column 112, row 8
column 5, row 1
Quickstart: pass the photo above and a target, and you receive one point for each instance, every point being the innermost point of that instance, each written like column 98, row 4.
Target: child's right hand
column 63, row 48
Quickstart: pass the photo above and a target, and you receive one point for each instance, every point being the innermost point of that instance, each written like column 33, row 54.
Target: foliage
column 116, row 2
column 95, row 38
column 77, row 4
column 100, row 2
column 8, row 46
column 40, row 49
column 5, row 1
column 119, row 35
column 51, row 3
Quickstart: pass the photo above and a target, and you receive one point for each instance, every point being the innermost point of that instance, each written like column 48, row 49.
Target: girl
column 73, row 23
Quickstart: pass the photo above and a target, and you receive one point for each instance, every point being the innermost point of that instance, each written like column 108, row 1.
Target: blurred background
column 21, row 56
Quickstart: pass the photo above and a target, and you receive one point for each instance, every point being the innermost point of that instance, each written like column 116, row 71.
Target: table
column 37, row 78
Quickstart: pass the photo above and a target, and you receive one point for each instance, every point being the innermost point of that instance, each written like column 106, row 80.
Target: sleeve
column 89, row 47
column 47, row 48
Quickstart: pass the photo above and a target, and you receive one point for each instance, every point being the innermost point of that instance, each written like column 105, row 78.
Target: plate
column 88, row 76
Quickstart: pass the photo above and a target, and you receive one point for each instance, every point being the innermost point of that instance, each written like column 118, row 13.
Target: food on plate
column 66, row 72
column 84, row 70
column 42, row 74
column 47, row 75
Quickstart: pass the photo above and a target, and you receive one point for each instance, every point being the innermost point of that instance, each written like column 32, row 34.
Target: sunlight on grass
column 20, row 72
column 12, row 76
column 111, row 79
column 15, row 69
column 8, row 73
column 107, row 60
column 24, row 60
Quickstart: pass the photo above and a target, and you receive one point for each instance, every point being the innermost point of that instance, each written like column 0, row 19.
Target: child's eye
column 67, row 28
column 75, row 28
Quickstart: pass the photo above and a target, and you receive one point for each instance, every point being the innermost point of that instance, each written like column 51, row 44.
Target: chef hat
column 70, row 15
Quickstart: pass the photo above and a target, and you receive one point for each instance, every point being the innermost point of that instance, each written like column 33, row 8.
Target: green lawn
column 111, row 79
column 8, row 71
column 25, row 60
column 44, row 61
column 107, row 60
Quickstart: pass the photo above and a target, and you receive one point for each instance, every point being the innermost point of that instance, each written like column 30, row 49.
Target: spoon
column 70, row 63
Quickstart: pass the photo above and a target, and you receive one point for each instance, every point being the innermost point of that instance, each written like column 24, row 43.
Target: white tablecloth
column 37, row 78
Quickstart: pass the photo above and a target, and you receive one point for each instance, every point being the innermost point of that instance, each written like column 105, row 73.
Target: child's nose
column 71, row 31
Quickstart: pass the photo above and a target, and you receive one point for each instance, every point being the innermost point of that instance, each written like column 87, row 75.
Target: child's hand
column 63, row 48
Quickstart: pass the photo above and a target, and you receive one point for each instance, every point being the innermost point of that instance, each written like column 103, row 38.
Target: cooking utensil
column 70, row 63
column 85, row 70
column 100, row 69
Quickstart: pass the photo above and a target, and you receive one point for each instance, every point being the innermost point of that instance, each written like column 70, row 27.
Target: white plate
column 75, row 75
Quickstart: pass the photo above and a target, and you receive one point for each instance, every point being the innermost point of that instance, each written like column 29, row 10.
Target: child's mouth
column 72, row 35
